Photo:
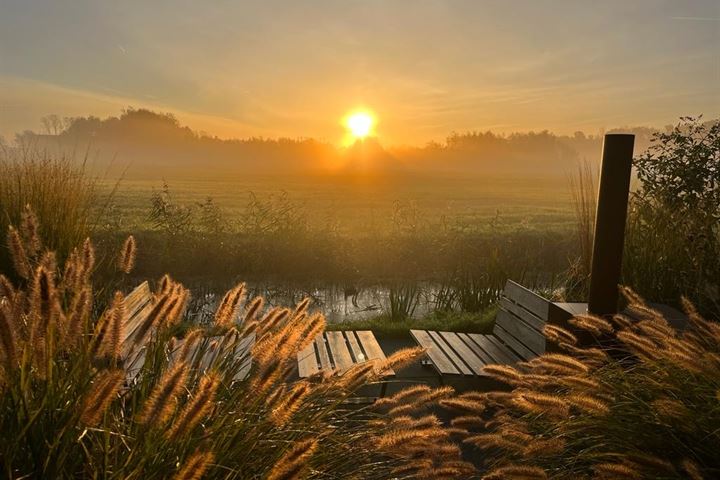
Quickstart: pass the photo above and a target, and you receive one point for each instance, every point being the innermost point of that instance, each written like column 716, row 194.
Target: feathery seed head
column 105, row 388
column 402, row 358
column 503, row 373
column 253, row 308
column 6, row 288
column 8, row 339
column 126, row 260
column 294, row 461
column 616, row 471
column 88, row 258
column 163, row 398
column 30, row 228
column 559, row 335
column 197, row 408
column 517, row 472
column 194, row 467
column 18, row 253
column 692, row 469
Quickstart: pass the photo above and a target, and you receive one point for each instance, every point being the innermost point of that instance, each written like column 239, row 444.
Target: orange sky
column 425, row 67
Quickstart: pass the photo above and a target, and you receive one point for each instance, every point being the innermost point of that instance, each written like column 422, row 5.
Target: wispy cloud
column 697, row 19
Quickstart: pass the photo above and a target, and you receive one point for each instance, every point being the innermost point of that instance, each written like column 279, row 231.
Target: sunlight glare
column 360, row 124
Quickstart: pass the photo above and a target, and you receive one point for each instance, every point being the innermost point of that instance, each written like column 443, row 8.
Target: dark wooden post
column 610, row 223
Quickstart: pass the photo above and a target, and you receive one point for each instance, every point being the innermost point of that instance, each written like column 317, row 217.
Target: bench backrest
column 520, row 320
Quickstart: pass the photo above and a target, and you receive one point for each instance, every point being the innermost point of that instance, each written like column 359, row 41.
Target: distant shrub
column 74, row 405
column 642, row 402
column 169, row 216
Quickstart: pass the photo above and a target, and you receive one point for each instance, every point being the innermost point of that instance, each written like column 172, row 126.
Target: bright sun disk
column 360, row 124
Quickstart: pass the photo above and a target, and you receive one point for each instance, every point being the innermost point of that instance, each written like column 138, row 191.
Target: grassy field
column 361, row 204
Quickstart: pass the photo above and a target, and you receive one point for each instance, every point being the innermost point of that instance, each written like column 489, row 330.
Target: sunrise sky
column 423, row 67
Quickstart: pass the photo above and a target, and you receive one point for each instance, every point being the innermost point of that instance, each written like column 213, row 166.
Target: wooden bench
column 517, row 336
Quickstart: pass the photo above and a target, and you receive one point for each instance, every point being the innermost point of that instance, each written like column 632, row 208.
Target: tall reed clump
column 105, row 396
column 640, row 402
column 402, row 301
column 584, row 198
column 64, row 198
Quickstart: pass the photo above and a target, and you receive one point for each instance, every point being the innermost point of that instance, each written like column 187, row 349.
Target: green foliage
column 669, row 255
column 672, row 237
column 673, row 233
column 472, row 293
column 681, row 169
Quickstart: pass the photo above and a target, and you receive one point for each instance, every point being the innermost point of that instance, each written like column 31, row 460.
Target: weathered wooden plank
column 454, row 358
column 136, row 300
column 527, row 298
column 523, row 332
column 441, row 362
column 467, row 355
column 243, row 352
column 479, row 351
column 357, row 352
column 131, row 327
column 208, row 352
column 498, row 354
column 133, row 365
column 521, row 350
column 339, row 350
column 322, row 352
column 307, row 361
column 530, row 318
column 370, row 345
column 372, row 349
column 507, row 351
column 138, row 295
column 134, row 321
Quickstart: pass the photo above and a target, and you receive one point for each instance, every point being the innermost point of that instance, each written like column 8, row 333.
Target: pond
column 338, row 303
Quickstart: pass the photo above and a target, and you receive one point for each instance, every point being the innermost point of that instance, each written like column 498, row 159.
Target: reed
column 583, row 188
column 66, row 202
column 402, row 302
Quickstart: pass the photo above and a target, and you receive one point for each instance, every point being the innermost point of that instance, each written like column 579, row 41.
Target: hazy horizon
column 158, row 144
column 425, row 69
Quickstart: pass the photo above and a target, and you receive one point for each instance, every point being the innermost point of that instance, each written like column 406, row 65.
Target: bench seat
column 517, row 336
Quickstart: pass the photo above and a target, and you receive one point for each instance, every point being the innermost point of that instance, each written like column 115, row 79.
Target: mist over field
column 153, row 145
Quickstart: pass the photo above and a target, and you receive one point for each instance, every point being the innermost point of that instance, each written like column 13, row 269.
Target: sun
column 360, row 124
